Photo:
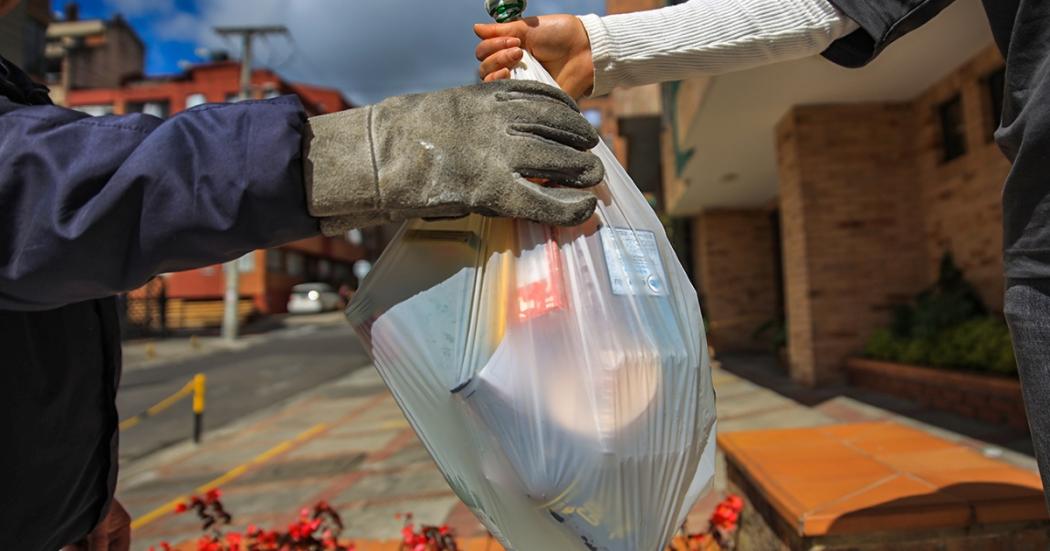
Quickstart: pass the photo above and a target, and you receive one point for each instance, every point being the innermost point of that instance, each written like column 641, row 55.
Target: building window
column 275, row 261
column 193, row 100
column 246, row 263
column 953, row 129
column 160, row 109
column 95, row 110
column 995, row 85
column 294, row 264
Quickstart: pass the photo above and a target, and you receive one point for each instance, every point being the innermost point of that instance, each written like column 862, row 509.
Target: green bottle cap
column 505, row 10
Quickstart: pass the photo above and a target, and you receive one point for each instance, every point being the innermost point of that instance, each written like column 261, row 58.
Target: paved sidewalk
column 348, row 443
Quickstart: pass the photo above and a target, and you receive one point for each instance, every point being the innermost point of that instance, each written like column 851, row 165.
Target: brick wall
column 990, row 398
column 869, row 206
column 962, row 198
column 851, row 226
column 734, row 265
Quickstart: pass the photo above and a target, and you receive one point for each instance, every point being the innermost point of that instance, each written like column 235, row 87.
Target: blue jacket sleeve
column 93, row 206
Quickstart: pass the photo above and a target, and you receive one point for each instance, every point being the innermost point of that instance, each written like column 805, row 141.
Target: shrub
column 949, row 302
column 982, row 343
column 946, row 326
column 884, row 345
column 979, row 344
column 917, row 351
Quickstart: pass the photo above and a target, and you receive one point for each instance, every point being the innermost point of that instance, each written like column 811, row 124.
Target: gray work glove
column 452, row 153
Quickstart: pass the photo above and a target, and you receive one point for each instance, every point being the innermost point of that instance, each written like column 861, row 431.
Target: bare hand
column 559, row 42
column 113, row 534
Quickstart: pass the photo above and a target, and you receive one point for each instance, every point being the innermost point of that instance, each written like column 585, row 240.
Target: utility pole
column 231, row 298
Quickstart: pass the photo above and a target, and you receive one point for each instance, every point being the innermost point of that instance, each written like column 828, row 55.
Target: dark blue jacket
column 91, row 207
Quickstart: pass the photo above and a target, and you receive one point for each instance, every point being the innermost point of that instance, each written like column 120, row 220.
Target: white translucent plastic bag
column 558, row 376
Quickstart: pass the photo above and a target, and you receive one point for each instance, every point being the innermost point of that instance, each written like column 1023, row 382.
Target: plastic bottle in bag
column 558, row 376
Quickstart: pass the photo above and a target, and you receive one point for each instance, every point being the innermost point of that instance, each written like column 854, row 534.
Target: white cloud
column 180, row 26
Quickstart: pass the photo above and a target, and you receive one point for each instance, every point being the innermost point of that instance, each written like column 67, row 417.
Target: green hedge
column 946, row 326
column 980, row 344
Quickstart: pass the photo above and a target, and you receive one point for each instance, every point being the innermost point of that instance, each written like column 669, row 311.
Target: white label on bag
column 633, row 259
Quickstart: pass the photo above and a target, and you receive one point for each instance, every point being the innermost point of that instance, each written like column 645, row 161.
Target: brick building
column 91, row 53
column 194, row 298
column 830, row 197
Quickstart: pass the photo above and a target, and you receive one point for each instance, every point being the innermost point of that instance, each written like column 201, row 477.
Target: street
column 268, row 370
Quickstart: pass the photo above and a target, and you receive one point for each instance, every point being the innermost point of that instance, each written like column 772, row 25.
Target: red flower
column 181, row 508
column 206, row 543
column 267, row 538
column 735, row 502
column 725, row 518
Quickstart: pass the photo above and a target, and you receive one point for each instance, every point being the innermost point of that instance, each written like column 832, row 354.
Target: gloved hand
column 452, row 153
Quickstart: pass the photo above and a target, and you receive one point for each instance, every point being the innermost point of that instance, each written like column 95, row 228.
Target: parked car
column 311, row 298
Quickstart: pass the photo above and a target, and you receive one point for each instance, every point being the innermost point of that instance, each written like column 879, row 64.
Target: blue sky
column 370, row 49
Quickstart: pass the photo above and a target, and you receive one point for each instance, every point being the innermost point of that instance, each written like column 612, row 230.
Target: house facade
column 91, row 53
column 824, row 196
column 816, row 198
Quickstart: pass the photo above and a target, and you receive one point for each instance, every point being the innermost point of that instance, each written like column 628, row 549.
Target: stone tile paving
column 348, row 443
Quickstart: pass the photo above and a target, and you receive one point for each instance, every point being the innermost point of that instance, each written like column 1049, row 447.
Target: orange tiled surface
column 871, row 477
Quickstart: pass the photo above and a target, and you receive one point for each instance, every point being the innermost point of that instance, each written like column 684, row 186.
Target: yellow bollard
column 151, row 350
column 199, row 381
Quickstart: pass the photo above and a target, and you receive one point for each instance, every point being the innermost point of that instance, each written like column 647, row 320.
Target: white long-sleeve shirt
column 705, row 37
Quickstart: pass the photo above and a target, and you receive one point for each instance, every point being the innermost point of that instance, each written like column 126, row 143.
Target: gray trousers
column 1027, row 309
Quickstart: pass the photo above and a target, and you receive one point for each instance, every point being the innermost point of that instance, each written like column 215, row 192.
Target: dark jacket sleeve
column 93, row 206
column 881, row 22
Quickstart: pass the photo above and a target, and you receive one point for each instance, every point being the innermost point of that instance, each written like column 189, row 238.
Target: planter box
column 985, row 397
column 878, row 486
